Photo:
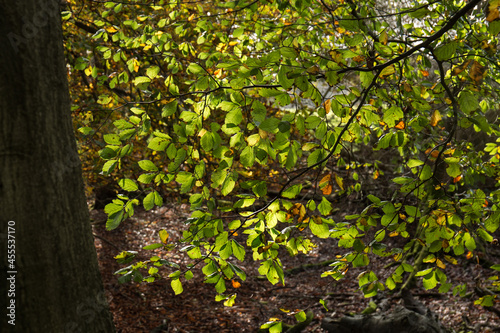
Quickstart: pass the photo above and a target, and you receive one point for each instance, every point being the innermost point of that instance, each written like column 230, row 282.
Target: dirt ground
column 143, row 307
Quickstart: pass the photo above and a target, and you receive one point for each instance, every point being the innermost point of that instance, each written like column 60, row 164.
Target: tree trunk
column 52, row 284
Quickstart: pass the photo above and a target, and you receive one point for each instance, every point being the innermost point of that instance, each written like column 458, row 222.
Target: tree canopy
column 270, row 115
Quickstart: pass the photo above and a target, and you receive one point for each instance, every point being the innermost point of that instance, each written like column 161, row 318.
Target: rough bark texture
column 58, row 286
column 401, row 320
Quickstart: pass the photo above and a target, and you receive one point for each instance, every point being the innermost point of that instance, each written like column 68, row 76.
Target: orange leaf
column 325, row 184
column 358, row 58
column 235, row 284
column 425, row 73
column 328, row 105
column 325, row 180
column 263, row 249
column 327, row 189
column 400, row 125
column 492, row 11
column 477, row 72
column 469, row 255
column 376, row 174
column 457, row 179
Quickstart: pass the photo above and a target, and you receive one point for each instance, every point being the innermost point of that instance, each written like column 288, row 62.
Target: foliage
column 269, row 115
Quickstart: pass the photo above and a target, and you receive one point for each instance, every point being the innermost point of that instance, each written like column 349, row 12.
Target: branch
column 424, row 44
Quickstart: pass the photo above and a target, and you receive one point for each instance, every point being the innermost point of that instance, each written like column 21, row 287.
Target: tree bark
column 54, row 284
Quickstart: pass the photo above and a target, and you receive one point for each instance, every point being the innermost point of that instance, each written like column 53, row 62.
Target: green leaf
column 447, row 51
column 141, row 79
column 186, row 179
column 238, row 250
column 112, row 139
column 270, row 125
column 260, row 189
column 247, row 156
column 283, row 80
column 176, row 285
column 315, row 157
column 158, row 144
column 325, row 207
column 152, row 72
column 391, row 285
column 194, row 68
column 494, row 27
column 228, row 185
column 153, row 246
column 430, row 282
column 128, row 185
column 146, row 178
column 392, row 115
column 292, row 191
column 320, row 230
column 147, row 165
column 453, row 170
column 169, row 108
column 220, row 287
column 148, row 201
column 468, row 102
column 114, row 220
column 492, row 222
column 288, row 52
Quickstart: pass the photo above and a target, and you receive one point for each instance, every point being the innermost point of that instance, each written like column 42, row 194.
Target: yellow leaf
column 339, row 181
column 313, row 70
column 435, row 118
column 233, row 43
column 163, row 236
column 190, row 18
column 451, row 260
column 284, row 310
column 376, row 174
column 394, row 234
column 388, row 71
column 383, row 37
column 88, row 71
column 111, row 29
column 440, row 264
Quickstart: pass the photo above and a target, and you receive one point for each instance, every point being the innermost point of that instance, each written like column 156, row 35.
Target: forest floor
column 142, row 307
